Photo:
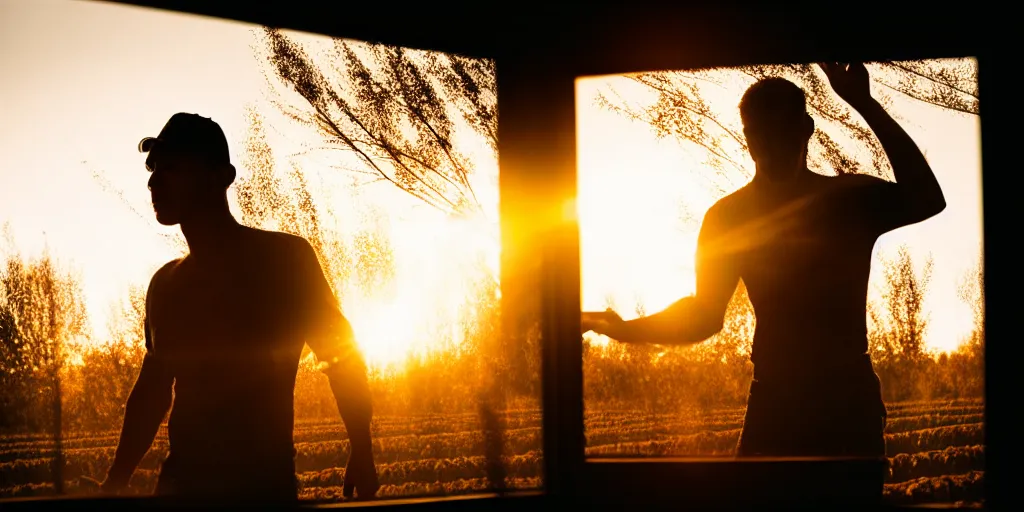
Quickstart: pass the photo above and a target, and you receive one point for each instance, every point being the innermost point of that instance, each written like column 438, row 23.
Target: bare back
column 805, row 258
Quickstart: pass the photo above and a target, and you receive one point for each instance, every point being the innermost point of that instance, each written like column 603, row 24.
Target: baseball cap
column 191, row 133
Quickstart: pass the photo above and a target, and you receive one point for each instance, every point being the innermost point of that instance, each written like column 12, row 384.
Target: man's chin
column 166, row 220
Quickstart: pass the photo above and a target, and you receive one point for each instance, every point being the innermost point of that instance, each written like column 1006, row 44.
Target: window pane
column 383, row 159
column 658, row 150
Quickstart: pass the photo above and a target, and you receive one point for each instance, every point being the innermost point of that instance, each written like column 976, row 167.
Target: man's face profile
column 176, row 185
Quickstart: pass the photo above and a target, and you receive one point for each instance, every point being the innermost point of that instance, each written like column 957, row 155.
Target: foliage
column 395, row 110
column 405, row 117
column 41, row 310
column 272, row 201
column 901, row 333
column 898, row 329
column 97, row 387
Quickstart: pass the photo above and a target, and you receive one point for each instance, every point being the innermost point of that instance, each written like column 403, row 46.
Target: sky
column 84, row 81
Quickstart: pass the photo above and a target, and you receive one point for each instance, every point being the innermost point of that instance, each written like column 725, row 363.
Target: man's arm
column 698, row 317
column 147, row 405
column 916, row 194
column 329, row 334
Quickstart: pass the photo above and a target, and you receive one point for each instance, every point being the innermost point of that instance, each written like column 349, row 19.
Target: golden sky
column 85, row 81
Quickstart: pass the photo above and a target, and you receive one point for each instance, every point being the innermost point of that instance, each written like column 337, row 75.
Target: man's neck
column 209, row 235
column 793, row 183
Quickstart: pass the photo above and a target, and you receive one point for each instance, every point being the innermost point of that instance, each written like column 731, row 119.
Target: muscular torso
column 227, row 329
column 805, row 258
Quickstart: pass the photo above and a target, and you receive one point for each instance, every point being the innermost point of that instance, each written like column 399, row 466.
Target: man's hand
column 113, row 485
column 109, row 486
column 607, row 322
column 361, row 476
column 849, row 81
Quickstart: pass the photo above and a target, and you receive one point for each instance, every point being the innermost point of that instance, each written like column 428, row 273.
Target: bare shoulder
column 162, row 276
column 281, row 246
column 730, row 209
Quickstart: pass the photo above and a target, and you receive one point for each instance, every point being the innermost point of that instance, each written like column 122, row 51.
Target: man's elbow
column 695, row 333
column 706, row 331
column 940, row 204
column 930, row 207
column 694, row 322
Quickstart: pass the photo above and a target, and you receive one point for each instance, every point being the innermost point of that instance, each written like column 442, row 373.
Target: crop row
column 327, row 454
column 624, row 432
column 954, row 460
column 724, row 442
column 318, row 455
column 902, row 416
column 960, row 489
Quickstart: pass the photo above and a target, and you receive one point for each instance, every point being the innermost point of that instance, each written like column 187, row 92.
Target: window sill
column 491, row 501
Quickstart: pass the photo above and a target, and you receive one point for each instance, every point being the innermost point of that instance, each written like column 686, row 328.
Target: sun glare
column 439, row 261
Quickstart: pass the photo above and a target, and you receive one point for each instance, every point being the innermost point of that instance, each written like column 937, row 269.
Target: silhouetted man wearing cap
column 225, row 327
column 802, row 243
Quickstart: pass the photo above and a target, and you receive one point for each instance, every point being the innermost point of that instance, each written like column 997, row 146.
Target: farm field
column 936, row 451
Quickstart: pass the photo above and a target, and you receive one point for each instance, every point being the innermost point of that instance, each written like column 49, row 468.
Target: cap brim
column 146, row 144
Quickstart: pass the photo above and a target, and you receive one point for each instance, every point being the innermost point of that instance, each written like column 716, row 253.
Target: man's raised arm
column 916, row 195
column 147, row 405
column 691, row 319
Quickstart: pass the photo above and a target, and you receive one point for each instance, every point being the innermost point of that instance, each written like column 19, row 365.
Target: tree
column 394, row 110
column 42, row 309
column 100, row 385
column 897, row 341
column 971, row 290
column 841, row 143
column 406, row 118
column 905, row 297
column 270, row 201
column 903, row 322
column 969, row 359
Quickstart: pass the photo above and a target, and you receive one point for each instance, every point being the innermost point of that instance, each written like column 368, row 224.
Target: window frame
column 569, row 473
column 538, row 182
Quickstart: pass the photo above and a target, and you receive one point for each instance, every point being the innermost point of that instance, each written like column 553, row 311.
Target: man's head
column 190, row 166
column 777, row 127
